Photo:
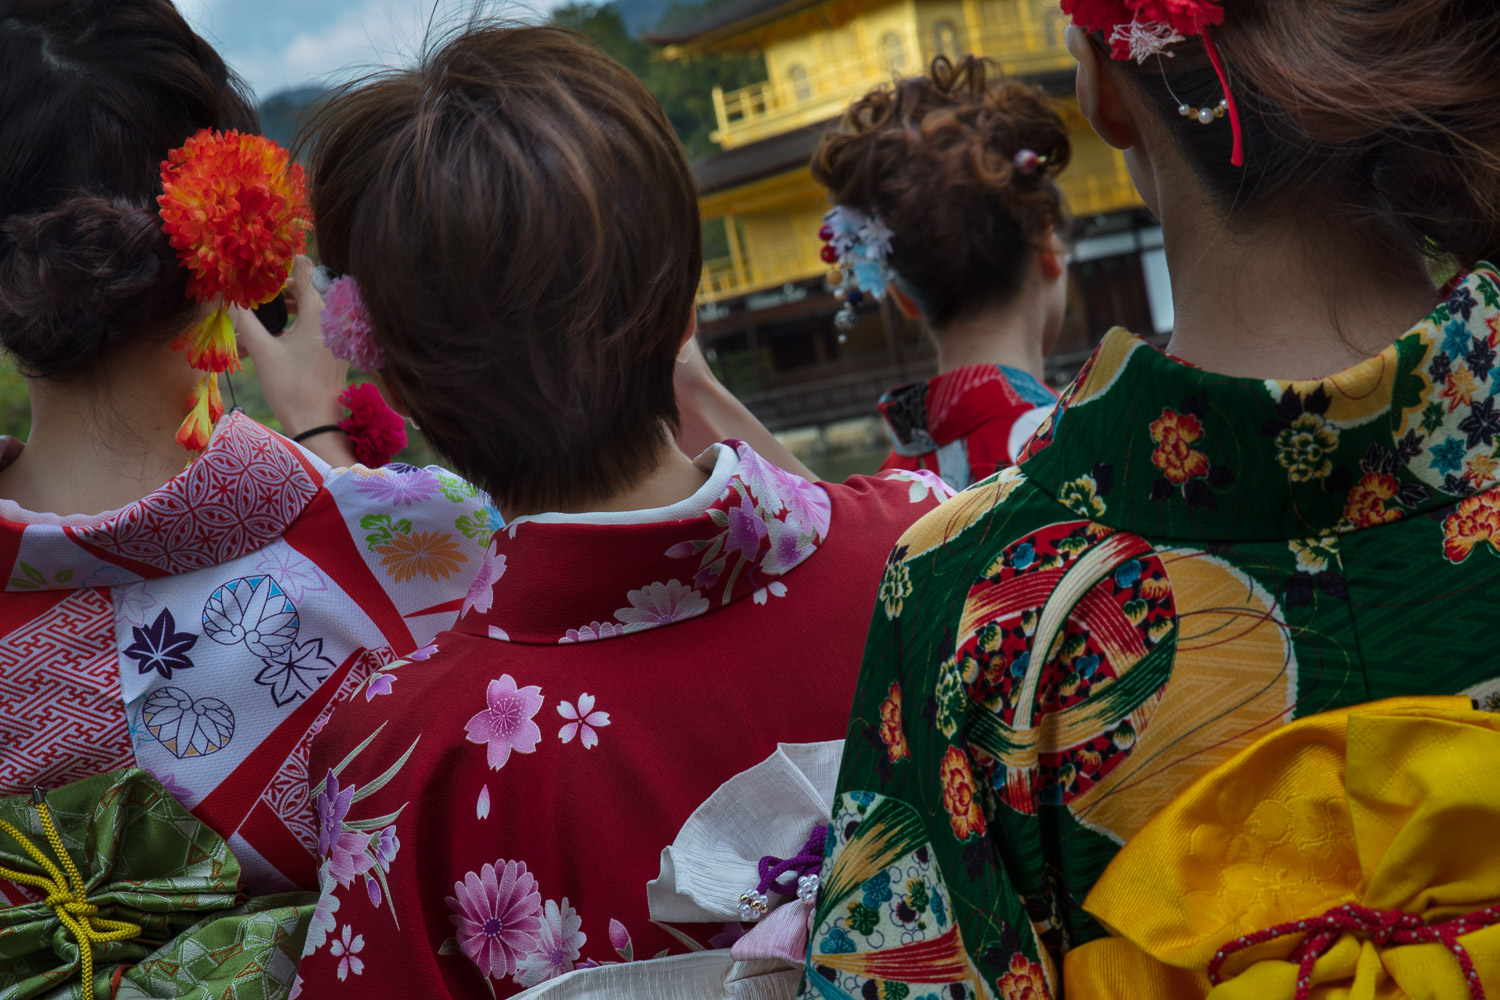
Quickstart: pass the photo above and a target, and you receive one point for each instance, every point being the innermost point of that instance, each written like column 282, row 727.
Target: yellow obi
column 1352, row 854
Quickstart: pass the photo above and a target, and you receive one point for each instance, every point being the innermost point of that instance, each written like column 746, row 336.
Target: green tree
column 684, row 89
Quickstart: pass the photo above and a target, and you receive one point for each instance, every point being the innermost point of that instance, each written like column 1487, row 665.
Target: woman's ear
column 1100, row 96
column 903, row 301
column 391, row 396
column 1053, row 257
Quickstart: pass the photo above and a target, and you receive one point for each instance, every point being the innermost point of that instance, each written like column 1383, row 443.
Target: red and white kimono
column 966, row 424
column 494, row 809
column 202, row 631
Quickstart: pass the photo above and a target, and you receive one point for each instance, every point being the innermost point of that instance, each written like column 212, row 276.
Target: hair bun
column 935, row 158
column 79, row 277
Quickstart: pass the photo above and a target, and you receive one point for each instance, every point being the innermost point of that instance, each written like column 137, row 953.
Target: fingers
column 301, row 290
column 253, row 335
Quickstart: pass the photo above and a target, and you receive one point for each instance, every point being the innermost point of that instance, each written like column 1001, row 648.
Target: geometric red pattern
column 239, row 495
column 61, row 714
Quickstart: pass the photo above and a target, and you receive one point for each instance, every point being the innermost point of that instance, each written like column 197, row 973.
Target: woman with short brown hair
column 522, row 225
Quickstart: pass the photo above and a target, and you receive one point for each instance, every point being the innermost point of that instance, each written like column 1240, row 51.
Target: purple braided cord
column 808, row 861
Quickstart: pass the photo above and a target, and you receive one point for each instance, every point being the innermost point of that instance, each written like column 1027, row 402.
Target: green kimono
column 1181, row 562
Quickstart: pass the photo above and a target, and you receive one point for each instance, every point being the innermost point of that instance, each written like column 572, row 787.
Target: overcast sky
column 277, row 44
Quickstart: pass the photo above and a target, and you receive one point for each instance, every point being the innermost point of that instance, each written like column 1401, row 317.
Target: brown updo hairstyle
column 1378, row 114
column 524, row 228
column 933, row 157
column 93, row 95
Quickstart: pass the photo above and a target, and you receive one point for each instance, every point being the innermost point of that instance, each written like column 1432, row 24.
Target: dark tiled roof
column 723, row 14
column 730, row 167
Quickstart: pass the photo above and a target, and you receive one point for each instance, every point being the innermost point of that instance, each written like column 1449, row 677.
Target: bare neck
column 104, row 439
column 1010, row 335
column 1294, row 300
column 674, row 477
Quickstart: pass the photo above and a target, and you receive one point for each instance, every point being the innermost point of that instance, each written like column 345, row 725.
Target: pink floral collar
column 546, row 582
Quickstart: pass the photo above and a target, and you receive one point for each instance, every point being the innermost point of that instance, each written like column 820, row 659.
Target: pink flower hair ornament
column 1140, row 29
column 346, row 326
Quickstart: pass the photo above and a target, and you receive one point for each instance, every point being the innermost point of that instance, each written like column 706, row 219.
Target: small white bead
column 1206, row 116
column 1184, row 110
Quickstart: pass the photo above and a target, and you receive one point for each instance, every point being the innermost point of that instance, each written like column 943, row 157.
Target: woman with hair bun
column 1185, row 704
column 946, row 199
column 189, row 607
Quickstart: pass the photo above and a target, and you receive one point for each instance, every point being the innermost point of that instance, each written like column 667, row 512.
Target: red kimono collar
column 924, row 416
column 241, row 494
column 562, row 581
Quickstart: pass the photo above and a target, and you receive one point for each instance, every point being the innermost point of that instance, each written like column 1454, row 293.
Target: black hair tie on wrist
column 316, row 431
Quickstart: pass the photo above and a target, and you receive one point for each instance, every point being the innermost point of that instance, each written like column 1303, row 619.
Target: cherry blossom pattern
column 481, row 596
column 497, row 913
column 506, row 723
column 558, row 943
column 324, row 920
column 346, row 949
column 582, row 719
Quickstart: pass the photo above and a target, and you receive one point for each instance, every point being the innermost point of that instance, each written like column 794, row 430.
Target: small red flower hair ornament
column 235, row 209
column 1140, row 29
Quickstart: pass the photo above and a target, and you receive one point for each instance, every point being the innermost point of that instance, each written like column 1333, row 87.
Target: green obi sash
column 151, row 893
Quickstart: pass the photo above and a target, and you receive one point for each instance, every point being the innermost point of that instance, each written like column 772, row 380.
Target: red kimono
column 495, row 810
column 966, row 424
column 200, row 632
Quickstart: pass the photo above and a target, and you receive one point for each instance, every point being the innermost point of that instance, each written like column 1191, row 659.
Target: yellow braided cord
column 67, row 895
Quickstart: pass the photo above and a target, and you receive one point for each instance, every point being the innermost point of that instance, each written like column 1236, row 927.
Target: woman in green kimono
column 1291, row 510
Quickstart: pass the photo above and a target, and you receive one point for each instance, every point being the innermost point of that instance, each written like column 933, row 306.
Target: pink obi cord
column 1380, row 927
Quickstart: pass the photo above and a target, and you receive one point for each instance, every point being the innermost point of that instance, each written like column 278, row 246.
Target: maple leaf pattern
column 296, row 672
column 160, row 647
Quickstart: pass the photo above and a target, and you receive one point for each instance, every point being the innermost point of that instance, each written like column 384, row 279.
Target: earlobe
column 392, row 397
column 1099, row 95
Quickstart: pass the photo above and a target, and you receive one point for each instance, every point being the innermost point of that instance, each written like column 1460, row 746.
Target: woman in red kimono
column 945, row 197
column 523, row 226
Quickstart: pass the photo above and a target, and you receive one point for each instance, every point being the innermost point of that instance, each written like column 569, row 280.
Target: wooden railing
column 772, row 265
column 1027, row 43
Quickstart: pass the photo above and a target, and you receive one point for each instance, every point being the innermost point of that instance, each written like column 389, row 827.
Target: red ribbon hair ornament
column 1139, row 29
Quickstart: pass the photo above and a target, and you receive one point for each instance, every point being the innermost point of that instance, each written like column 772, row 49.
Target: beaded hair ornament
column 1140, row 29
column 858, row 244
column 235, row 210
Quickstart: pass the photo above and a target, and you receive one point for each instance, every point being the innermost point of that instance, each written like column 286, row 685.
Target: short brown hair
column 933, row 157
column 524, row 228
column 1377, row 114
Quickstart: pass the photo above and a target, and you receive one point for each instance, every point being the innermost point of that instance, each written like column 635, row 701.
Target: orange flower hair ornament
column 235, row 209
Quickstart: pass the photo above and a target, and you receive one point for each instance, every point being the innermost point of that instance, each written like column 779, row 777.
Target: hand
column 708, row 413
column 299, row 375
